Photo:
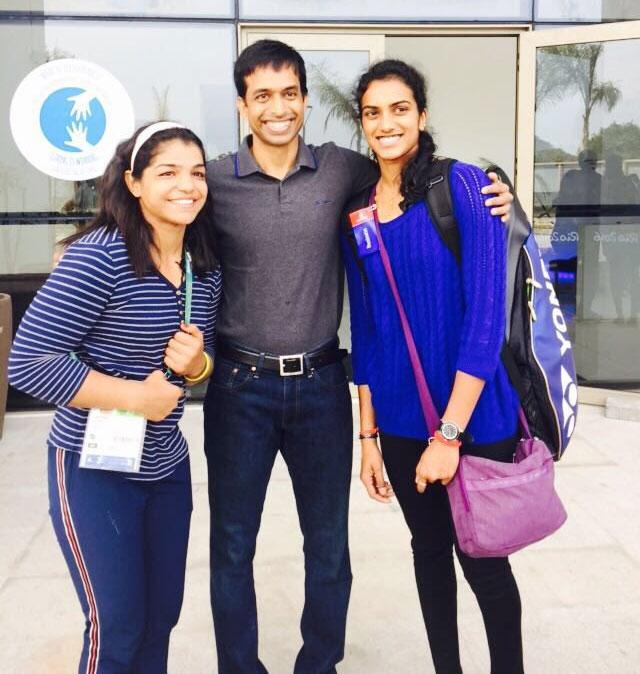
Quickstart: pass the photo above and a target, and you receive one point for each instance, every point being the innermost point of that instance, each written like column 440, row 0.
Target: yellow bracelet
column 206, row 371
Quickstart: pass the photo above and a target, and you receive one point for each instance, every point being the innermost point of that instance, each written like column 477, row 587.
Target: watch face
column 449, row 431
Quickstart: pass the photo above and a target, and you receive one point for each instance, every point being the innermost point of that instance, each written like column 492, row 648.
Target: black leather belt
column 285, row 366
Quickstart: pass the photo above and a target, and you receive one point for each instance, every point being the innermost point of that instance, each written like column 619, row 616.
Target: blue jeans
column 125, row 543
column 248, row 418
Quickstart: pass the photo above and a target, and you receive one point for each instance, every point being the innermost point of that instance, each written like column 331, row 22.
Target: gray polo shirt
column 279, row 246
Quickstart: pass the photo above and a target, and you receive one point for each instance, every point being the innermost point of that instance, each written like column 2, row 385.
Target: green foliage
column 623, row 139
column 339, row 101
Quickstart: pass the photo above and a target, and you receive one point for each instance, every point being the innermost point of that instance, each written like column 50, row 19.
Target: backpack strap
column 440, row 205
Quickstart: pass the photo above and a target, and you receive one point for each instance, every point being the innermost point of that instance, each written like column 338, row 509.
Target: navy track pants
column 125, row 543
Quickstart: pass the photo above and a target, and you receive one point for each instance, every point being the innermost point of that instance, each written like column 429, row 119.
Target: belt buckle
column 295, row 361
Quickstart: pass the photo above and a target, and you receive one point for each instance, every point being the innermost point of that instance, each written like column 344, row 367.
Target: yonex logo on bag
column 569, row 401
column 569, row 389
column 556, row 313
column 67, row 117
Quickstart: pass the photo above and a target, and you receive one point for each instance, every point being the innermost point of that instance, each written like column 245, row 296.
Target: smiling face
column 172, row 188
column 273, row 105
column 391, row 121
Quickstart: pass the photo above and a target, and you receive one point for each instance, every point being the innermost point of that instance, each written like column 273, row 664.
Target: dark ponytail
column 119, row 210
column 413, row 186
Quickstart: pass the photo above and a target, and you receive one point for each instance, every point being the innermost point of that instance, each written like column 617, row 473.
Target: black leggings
column 432, row 539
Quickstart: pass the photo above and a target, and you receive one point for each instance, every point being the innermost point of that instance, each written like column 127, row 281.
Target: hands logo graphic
column 78, row 137
column 81, row 105
column 77, row 130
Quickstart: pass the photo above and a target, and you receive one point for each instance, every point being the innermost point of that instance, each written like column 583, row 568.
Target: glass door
column 579, row 181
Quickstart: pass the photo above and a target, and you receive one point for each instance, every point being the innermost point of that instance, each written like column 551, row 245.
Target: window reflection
column 587, row 198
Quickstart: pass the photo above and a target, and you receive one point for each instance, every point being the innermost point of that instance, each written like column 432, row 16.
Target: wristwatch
column 450, row 431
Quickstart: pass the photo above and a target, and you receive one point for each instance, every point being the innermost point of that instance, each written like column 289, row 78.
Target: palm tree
column 553, row 77
column 339, row 101
column 573, row 67
column 593, row 92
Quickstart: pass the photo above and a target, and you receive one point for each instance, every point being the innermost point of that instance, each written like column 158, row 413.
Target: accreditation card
column 113, row 440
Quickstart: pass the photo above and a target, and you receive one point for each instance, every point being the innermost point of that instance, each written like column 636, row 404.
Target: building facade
column 547, row 89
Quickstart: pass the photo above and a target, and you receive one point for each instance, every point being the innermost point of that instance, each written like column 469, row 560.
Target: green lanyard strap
column 188, row 294
column 188, row 282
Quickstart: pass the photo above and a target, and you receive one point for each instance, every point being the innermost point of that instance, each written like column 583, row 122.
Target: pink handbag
column 497, row 507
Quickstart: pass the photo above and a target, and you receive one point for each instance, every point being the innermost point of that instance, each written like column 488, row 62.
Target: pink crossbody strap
column 428, row 408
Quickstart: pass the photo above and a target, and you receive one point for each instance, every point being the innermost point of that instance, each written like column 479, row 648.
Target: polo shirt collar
column 245, row 164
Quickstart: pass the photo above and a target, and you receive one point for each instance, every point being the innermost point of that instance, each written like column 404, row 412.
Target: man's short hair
column 268, row 53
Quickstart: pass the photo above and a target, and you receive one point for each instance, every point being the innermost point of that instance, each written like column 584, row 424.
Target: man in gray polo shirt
column 279, row 383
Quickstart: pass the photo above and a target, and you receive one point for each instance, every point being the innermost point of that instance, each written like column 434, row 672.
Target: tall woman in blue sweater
column 124, row 321
column 457, row 317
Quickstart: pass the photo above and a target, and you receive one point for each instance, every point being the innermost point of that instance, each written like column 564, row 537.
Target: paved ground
column 580, row 589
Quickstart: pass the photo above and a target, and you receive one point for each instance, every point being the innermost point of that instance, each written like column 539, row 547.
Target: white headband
column 144, row 136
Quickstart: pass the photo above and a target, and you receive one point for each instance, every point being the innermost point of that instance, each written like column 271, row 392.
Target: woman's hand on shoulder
column 439, row 462
column 184, row 354
column 372, row 472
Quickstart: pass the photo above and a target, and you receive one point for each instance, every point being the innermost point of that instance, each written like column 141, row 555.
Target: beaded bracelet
column 206, row 371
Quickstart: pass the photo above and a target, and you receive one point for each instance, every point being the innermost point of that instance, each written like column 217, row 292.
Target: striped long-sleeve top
column 456, row 312
column 93, row 305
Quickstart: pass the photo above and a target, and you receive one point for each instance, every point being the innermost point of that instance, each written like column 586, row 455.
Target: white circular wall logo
column 67, row 117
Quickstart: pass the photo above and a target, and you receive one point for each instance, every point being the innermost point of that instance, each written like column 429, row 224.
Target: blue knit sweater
column 456, row 313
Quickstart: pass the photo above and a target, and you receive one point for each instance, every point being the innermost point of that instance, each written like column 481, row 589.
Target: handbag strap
column 431, row 415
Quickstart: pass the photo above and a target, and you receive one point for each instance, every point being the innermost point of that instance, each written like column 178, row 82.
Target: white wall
column 471, row 93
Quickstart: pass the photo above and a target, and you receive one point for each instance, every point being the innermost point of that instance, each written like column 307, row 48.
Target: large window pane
column 186, row 8
column 587, row 10
column 177, row 71
column 479, row 10
column 587, row 198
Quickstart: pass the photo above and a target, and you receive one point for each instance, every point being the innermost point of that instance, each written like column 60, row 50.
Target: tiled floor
column 580, row 589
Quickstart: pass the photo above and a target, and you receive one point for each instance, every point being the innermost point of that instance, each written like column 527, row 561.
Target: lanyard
column 188, row 282
column 188, row 294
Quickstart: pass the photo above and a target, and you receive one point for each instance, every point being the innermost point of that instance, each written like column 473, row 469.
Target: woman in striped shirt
column 124, row 321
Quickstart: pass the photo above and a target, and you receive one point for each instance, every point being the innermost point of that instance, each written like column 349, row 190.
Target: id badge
column 364, row 229
column 113, row 440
